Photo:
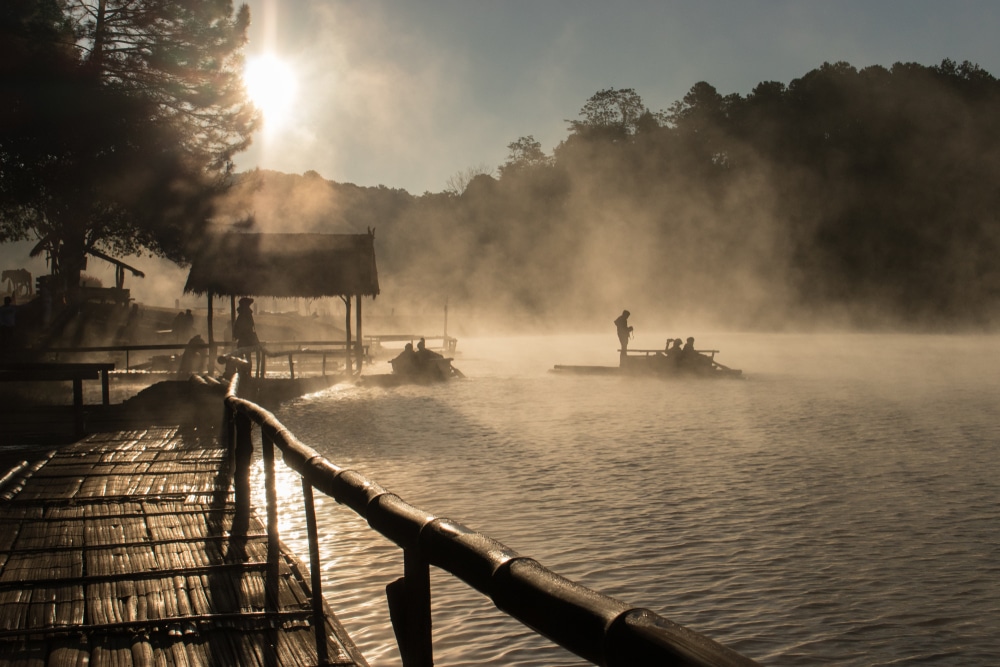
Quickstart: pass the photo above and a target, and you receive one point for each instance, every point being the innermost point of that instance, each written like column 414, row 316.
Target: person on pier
column 193, row 359
column 245, row 331
column 183, row 326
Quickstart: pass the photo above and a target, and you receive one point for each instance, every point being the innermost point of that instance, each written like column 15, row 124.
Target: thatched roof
column 285, row 265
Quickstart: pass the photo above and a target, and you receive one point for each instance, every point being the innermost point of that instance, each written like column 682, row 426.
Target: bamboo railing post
column 227, row 438
column 410, row 610
column 243, row 457
column 315, row 573
column 273, row 544
column 78, row 425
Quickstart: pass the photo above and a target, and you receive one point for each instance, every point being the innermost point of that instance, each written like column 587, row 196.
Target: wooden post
column 105, row 387
column 241, row 476
column 273, row 543
column 410, row 610
column 211, row 335
column 78, row 406
column 210, row 322
column 316, row 572
column 360, row 340
column 232, row 317
column 347, row 333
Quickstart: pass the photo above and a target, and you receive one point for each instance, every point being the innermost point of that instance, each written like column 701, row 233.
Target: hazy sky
column 407, row 93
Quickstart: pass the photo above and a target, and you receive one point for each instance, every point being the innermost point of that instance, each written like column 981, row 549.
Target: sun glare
column 272, row 86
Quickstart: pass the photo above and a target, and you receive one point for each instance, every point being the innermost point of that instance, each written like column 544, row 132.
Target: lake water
column 841, row 505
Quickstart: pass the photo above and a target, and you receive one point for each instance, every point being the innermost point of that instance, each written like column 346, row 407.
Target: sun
column 272, row 86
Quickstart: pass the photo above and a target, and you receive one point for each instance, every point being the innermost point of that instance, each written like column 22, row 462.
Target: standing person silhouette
column 624, row 332
column 244, row 330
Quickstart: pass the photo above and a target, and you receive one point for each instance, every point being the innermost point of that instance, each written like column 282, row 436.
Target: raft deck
column 126, row 548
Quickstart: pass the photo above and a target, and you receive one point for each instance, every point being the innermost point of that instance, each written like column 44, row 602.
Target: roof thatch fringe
column 285, row 265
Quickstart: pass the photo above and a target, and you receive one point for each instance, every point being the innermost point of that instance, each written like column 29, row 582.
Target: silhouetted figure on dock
column 183, row 326
column 244, row 330
column 193, row 359
column 624, row 333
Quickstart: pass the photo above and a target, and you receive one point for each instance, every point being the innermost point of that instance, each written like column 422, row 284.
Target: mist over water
column 840, row 505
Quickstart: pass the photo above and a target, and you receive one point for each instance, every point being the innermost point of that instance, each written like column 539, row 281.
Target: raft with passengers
column 422, row 365
column 677, row 359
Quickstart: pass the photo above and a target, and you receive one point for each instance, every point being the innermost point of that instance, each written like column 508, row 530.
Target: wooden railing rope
column 594, row 626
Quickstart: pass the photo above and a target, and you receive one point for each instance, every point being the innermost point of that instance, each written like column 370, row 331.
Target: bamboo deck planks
column 118, row 551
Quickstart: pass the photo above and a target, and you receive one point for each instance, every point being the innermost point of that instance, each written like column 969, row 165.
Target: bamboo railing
column 594, row 626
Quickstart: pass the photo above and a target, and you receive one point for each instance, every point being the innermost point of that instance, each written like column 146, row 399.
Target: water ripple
column 841, row 506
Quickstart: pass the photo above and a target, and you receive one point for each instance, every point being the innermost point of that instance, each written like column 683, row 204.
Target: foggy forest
column 848, row 198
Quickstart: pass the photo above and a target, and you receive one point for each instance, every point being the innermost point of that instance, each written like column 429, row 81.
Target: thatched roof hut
column 286, row 265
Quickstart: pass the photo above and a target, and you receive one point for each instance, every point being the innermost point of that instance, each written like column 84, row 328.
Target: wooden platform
column 126, row 549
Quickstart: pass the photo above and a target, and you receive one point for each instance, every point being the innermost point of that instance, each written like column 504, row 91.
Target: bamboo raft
column 126, row 548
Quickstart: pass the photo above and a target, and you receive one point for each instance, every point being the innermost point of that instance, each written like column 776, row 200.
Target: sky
column 411, row 93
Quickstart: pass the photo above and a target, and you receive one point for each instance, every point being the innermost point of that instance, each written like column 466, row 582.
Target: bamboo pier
column 126, row 548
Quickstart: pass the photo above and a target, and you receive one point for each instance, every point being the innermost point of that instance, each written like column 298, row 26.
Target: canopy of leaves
column 122, row 120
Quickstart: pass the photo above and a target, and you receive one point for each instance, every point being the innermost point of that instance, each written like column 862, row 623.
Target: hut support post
column 347, row 332
column 211, row 335
column 357, row 324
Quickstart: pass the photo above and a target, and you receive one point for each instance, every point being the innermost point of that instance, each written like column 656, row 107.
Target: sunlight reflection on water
column 840, row 505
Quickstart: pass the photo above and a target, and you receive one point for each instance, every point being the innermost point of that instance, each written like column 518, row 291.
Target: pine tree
column 123, row 134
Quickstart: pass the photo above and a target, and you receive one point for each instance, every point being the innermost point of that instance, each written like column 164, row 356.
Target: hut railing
column 276, row 348
column 594, row 626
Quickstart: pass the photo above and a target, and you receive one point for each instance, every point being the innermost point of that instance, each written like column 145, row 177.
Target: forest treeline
column 857, row 197
column 866, row 198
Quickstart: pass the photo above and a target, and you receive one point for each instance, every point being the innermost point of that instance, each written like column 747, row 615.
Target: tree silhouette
column 524, row 153
column 125, row 119
column 611, row 113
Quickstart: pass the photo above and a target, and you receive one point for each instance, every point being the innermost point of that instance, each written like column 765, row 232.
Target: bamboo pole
column 357, row 320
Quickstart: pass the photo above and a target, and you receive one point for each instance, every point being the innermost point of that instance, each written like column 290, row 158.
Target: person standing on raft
column 624, row 333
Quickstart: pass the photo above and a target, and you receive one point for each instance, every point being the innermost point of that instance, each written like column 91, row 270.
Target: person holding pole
column 624, row 333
